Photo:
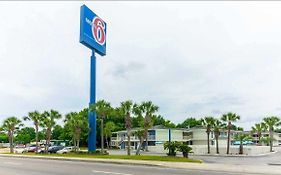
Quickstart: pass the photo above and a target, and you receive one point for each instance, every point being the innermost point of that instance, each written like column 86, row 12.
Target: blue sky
column 190, row 58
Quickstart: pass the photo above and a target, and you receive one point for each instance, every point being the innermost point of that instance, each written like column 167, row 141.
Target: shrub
column 173, row 147
column 185, row 149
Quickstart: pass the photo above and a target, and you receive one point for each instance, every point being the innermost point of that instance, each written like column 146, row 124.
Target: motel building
column 196, row 137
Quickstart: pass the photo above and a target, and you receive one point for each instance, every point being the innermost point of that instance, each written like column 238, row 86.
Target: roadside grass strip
column 124, row 157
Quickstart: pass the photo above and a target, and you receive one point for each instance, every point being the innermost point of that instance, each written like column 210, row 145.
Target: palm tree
column 36, row 117
column 241, row 138
column 208, row 122
column 140, row 135
column 102, row 109
column 75, row 122
column 258, row 129
column 48, row 122
column 127, row 110
column 217, row 127
column 109, row 127
column 267, row 140
column 148, row 109
column 10, row 125
column 271, row 122
column 228, row 119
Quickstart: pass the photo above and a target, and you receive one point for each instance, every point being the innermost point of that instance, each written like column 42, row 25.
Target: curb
column 95, row 160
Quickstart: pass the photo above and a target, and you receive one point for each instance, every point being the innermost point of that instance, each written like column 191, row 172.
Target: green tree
column 208, row 122
column 3, row 137
column 25, row 135
column 242, row 138
column 271, row 122
column 258, row 128
column 267, row 140
column 36, row 118
column 126, row 110
column 48, row 122
column 217, row 129
column 189, row 123
column 109, row 127
column 146, row 109
column 76, row 122
column 58, row 133
column 140, row 135
column 10, row 125
column 229, row 118
column 102, row 109
column 160, row 120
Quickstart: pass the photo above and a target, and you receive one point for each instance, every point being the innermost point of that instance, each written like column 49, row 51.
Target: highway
column 26, row 166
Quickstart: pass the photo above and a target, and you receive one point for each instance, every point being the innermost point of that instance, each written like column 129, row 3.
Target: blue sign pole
column 170, row 141
column 92, row 115
column 93, row 36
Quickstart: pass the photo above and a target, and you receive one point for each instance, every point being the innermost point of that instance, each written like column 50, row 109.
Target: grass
column 124, row 157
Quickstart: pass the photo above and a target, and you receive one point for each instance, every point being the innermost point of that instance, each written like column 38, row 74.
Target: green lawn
column 132, row 157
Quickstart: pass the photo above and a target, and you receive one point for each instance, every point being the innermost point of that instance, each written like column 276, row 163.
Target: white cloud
column 190, row 58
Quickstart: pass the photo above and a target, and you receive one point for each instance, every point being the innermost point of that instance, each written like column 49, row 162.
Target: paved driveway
column 269, row 159
column 272, row 158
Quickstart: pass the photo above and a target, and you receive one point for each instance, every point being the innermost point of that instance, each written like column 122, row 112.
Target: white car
column 65, row 150
column 19, row 150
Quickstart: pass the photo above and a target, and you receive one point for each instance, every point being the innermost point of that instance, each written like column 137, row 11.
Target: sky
column 192, row 59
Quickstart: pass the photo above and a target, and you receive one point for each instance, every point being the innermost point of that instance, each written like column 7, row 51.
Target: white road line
column 12, row 163
column 107, row 172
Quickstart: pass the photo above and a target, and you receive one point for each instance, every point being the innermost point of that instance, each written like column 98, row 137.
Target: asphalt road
column 26, row 166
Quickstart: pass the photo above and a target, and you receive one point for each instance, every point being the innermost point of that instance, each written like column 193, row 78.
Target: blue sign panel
column 92, row 31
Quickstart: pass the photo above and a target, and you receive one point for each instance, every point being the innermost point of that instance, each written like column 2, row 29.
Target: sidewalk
column 252, row 169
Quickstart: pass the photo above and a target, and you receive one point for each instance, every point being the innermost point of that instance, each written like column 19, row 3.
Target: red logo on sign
column 98, row 29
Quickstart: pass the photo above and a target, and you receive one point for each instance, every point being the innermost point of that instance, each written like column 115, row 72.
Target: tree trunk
column 129, row 142
column 78, row 144
column 11, row 141
column 107, row 143
column 145, row 136
column 48, row 138
column 139, row 147
column 259, row 138
column 146, row 143
column 208, row 140
column 36, row 138
column 228, row 138
column 102, row 141
column 217, row 143
column 75, row 144
column 271, row 138
column 185, row 154
column 241, row 147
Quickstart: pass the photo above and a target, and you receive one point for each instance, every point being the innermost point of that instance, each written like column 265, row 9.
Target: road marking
column 107, row 172
column 12, row 163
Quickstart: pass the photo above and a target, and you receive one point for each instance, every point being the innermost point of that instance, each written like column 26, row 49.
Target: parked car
column 19, row 150
column 54, row 149
column 31, row 149
column 66, row 150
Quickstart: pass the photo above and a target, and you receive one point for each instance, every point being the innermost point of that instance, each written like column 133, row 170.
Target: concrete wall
column 202, row 150
column 199, row 134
